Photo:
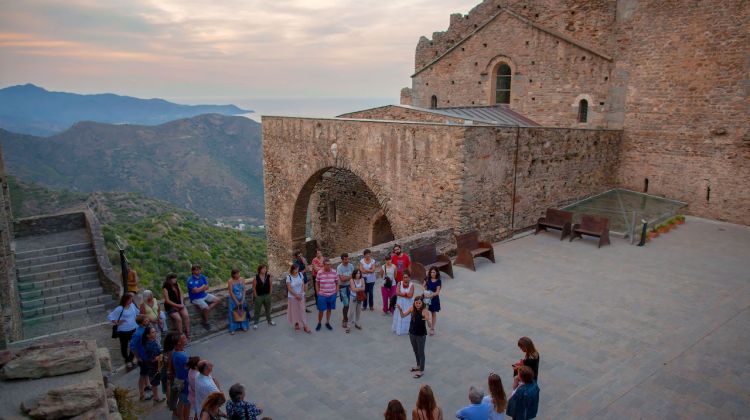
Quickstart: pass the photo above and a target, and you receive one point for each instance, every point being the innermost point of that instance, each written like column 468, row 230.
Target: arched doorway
column 381, row 230
column 337, row 210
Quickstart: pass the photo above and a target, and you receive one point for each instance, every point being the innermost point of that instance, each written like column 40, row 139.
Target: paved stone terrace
column 623, row 331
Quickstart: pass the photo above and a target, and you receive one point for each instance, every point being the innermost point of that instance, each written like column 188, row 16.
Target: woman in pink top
column 192, row 366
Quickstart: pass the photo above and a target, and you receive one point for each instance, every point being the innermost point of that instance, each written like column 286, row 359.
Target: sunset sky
column 188, row 50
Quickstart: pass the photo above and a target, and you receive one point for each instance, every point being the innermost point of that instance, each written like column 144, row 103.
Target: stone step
column 59, row 290
column 62, row 307
column 59, row 265
column 59, row 273
column 29, row 285
column 54, row 250
column 46, row 259
column 98, row 311
column 61, row 298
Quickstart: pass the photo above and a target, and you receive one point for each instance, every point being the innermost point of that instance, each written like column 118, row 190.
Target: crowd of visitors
column 192, row 392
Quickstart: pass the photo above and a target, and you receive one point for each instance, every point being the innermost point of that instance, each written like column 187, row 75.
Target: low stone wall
column 107, row 277
column 44, row 225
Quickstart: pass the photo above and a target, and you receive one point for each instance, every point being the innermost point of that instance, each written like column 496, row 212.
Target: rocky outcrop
column 51, row 359
column 69, row 401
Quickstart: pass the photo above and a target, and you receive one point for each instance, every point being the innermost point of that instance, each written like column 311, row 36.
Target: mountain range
column 30, row 109
column 210, row 164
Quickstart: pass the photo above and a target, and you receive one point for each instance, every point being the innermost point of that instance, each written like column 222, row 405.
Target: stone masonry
column 10, row 311
column 426, row 176
column 671, row 74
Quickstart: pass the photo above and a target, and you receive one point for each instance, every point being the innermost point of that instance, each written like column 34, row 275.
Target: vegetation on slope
column 160, row 237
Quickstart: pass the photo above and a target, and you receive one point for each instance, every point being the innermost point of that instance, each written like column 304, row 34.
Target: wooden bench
column 555, row 219
column 592, row 226
column 470, row 247
column 425, row 257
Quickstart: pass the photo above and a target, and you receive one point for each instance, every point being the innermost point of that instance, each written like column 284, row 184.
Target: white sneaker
column 272, row 323
column 255, row 326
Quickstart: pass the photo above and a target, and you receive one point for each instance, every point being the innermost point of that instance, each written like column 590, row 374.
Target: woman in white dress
column 405, row 293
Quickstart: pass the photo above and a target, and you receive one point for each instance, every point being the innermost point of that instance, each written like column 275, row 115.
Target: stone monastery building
column 523, row 105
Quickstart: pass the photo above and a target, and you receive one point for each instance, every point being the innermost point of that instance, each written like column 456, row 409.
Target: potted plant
column 653, row 233
column 672, row 223
column 680, row 219
column 663, row 228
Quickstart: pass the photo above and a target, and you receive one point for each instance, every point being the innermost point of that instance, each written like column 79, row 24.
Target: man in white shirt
column 204, row 383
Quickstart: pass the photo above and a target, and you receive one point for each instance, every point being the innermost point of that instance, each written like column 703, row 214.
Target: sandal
column 357, row 327
column 296, row 327
column 414, row 369
column 432, row 331
column 348, row 330
column 307, row 330
column 418, row 375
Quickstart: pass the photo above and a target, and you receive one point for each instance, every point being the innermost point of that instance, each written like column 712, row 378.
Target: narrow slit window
column 433, row 102
column 583, row 111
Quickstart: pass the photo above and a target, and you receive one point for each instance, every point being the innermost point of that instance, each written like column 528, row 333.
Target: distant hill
column 30, row 109
column 160, row 237
column 210, row 164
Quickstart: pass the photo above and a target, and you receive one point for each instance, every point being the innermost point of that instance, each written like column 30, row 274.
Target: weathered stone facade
column 671, row 74
column 425, row 176
column 10, row 312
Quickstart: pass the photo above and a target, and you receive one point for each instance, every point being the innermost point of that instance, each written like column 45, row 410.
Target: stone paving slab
column 623, row 331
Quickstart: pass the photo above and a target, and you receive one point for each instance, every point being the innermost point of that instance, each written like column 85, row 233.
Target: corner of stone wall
column 107, row 276
column 406, row 98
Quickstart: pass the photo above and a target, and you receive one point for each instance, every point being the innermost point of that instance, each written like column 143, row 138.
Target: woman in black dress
column 531, row 359
column 417, row 331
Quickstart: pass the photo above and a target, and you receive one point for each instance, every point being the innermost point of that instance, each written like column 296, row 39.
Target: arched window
column 502, row 84
column 583, row 111
column 433, row 102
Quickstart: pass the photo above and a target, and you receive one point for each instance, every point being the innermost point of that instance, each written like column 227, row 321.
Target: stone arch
column 490, row 69
column 381, row 230
column 575, row 109
column 355, row 200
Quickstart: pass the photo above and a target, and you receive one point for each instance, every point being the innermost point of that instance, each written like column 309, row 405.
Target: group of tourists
column 523, row 403
column 191, row 391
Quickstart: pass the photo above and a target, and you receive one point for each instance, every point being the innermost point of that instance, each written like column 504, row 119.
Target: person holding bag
column 237, row 311
column 124, row 326
column 357, row 289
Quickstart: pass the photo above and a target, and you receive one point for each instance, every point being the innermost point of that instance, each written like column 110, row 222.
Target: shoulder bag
column 114, row 327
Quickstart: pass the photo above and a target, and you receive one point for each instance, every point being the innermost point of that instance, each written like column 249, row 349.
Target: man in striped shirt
column 326, row 286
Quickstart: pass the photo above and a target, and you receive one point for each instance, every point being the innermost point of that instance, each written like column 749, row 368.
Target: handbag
column 388, row 283
column 361, row 296
column 239, row 315
column 114, row 327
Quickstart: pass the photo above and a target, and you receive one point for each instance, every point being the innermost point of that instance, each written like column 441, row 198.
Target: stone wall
column 343, row 212
column 413, row 170
column 46, row 224
column 10, row 312
column 110, row 281
column 447, row 177
column 681, row 80
column 588, row 22
column 550, row 75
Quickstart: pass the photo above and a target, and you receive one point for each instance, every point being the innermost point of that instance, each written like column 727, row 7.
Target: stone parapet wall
column 46, row 224
column 10, row 311
column 111, row 283
column 397, row 113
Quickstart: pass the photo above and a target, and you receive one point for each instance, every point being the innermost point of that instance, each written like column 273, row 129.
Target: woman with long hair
column 123, row 317
column 174, row 305
column 427, row 408
column 211, row 409
column 394, row 411
column 388, row 289
column 357, row 291
column 418, row 316
column 433, row 286
column 497, row 399
column 296, row 289
column 237, row 309
column 530, row 359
